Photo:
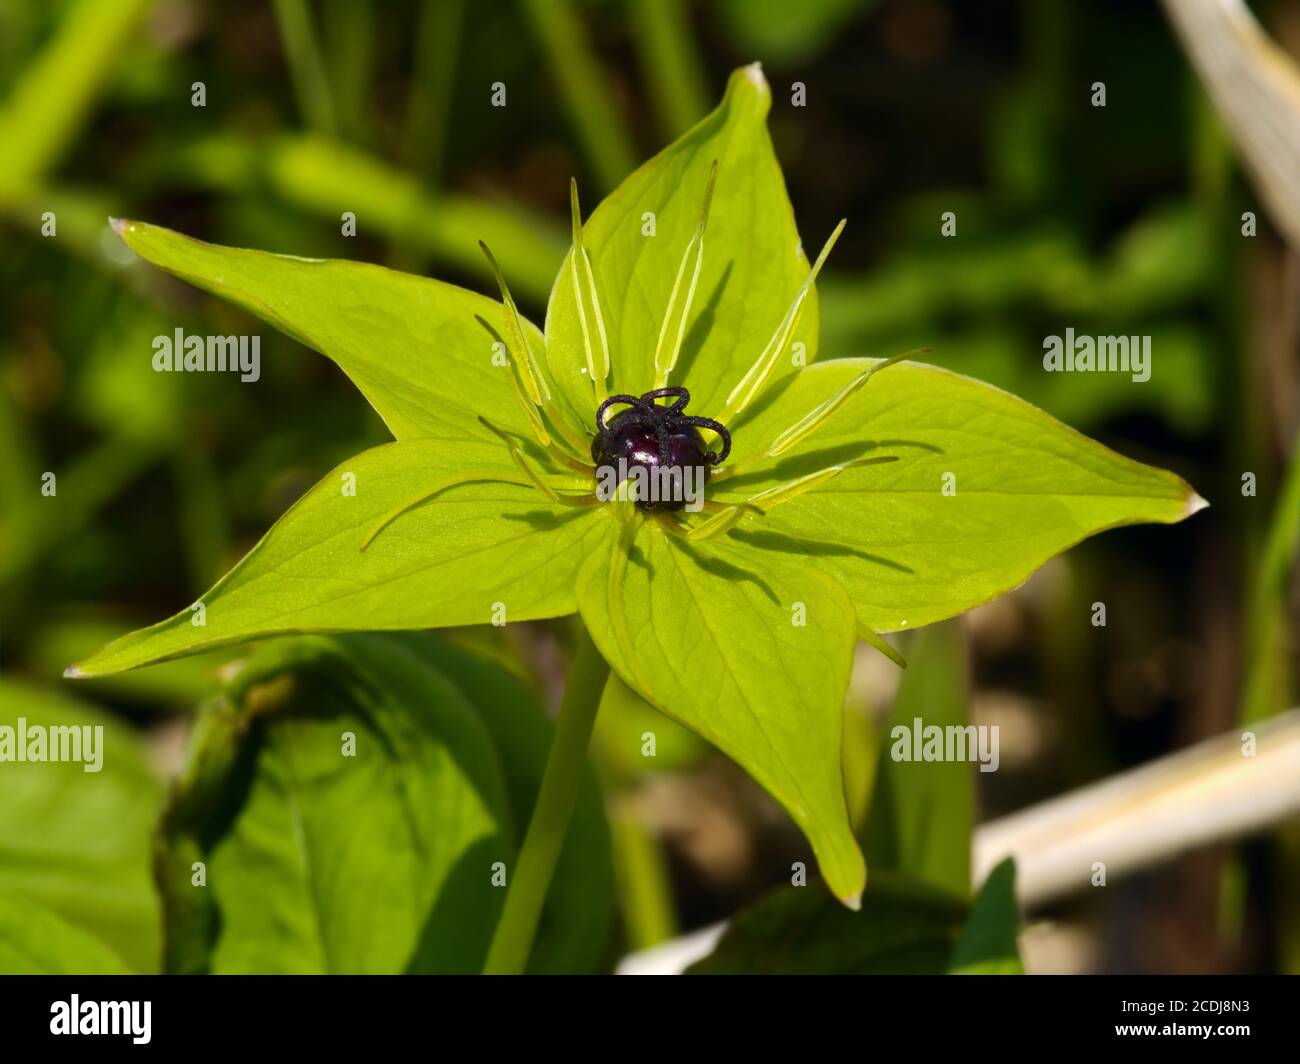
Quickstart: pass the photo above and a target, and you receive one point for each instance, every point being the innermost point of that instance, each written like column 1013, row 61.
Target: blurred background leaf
column 75, row 844
column 316, row 862
column 1123, row 220
column 923, row 812
column 37, row 941
column 905, row 927
column 988, row 941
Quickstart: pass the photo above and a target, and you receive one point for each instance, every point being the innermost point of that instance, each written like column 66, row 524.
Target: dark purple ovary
column 628, row 438
column 660, row 442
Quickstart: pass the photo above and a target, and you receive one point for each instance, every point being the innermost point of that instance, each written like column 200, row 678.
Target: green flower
column 843, row 511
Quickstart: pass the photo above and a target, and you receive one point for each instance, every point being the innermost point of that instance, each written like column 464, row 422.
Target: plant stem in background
column 429, row 102
column 428, row 111
column 204, row 527
column 49, row 102
column 1245, row 443
column 349, row 37
column 585, row 90
column 1212, row 164
column 644, row 888
column 306, row 68
column 1267, row 660
column 513, row 940
column 671, row 64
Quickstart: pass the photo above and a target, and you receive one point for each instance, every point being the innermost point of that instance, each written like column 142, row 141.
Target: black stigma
column 660, row 440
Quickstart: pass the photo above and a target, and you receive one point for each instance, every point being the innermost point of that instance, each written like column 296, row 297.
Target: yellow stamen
column 753, row 382
column 666, row 356
column 817, row 417
column 599, row 373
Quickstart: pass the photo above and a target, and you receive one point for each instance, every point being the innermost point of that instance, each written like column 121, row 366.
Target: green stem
column 55, row 94
column 672, row 64
column 306, row 67
column 1264, row 691
column 348, row 44
column 644, row 887
column 565, row 764
column 428, row 107
column 586, row 93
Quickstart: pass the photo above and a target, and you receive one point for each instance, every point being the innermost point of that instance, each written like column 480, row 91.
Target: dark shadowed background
column 1122, row 219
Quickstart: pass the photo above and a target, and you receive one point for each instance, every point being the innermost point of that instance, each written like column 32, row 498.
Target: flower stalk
column 513, row 940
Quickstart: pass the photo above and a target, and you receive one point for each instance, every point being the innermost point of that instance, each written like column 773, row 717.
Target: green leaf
column 178, row 684
column 77, row 842
column 420, row 351
column 574, row 927
column 1025, row 487
column 321, row 860
column 923, row 812
column 624, row 720
column 712, row 640
column 988, row 942
column 37, row 941
column 905, row 928
column 752, row 266
column 382, row 861
column 445, row 562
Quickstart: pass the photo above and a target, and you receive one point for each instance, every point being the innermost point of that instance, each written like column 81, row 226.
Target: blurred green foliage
column 1113, row 221
column 74, row 844
column 378, row 866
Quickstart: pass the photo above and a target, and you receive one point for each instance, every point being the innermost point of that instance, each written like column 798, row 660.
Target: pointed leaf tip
column 121, row 226
column 1195, row 504
column 73, row 672
column 853, row 902
column 749, row 84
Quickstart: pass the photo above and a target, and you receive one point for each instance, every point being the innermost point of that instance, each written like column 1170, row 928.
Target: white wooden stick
column 1256, row 88
column 1144, row 816
column 1131, row 821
